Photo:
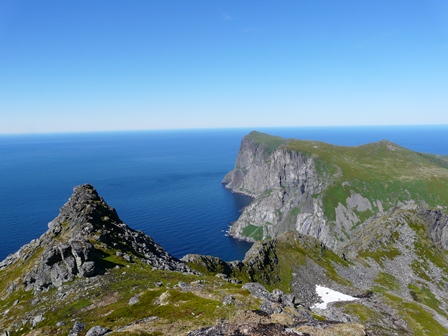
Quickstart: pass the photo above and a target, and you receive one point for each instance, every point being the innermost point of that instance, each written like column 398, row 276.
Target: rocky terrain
column 77, row 241
column 367, row 222
column 91, row 274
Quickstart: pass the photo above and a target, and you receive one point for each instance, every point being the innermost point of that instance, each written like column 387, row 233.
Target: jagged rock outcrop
column 79, row 238
column 209, row 263
column 438, row 226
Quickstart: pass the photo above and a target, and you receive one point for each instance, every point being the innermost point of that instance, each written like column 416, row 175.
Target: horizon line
column 210, row 129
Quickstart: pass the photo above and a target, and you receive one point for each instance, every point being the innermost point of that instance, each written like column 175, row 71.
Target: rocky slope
column 327, row 191
column 91, row 274
column 396, row 266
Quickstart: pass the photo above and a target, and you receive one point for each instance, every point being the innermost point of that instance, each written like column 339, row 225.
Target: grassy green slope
column 269, row 142
column 104, row 301
column 379, row 171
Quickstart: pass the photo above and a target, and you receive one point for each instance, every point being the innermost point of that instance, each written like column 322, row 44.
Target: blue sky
column 125, row 65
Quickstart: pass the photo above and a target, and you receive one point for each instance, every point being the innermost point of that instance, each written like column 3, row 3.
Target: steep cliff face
column 327, row 191
column 284, row 184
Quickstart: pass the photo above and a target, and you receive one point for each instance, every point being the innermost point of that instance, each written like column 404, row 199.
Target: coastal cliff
column 327, row 191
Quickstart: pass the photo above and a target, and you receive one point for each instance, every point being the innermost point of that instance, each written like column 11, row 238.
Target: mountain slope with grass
column 91, row 274
column 326, row 191
column 396, row 267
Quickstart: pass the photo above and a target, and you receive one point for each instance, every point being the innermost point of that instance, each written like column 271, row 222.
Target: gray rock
column 36, row 320
column 133, row 300
column 228, row 300
column 270, row 307
column 35, row 301
column 281, row 181
column 222, row 276
column 77, row 328
column 98, row 331
column 277, row 295
column 258, row 290
column 183, row 286
column 87, row 269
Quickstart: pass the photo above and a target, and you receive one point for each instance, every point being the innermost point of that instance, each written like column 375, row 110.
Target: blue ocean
column 165, row 183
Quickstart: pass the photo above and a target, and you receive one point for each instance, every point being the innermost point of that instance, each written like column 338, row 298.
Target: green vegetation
column 270, row 143
column 362, row 312
column 379, row 171
column 280, row 257
column 424, row 295
column 387, row 282
column 427, row 252
column 107, row 303
column 419, row 319
column 254, row 232
column 388, row 251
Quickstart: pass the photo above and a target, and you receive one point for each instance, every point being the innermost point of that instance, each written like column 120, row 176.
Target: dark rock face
column 60, row 263
column 73, row 245
column 438, row 226
column 212, row 264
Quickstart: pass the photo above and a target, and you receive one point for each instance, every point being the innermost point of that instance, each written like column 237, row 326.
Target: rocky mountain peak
column 84, row 240
column 85, row 213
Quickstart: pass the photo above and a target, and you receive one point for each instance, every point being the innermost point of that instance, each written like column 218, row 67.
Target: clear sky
column 124, row 65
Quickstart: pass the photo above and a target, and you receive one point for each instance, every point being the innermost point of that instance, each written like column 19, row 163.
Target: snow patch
column 328, row 295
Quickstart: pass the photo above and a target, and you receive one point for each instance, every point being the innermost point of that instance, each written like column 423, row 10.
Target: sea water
column 165, row 183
